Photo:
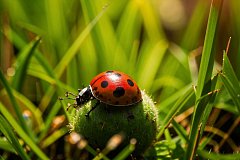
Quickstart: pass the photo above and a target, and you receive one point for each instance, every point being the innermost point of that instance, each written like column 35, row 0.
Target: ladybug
column 110, row 87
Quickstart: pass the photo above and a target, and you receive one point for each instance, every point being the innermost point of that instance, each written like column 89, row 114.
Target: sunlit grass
column 46, row 51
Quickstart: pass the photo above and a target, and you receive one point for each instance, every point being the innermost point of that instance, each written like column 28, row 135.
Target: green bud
column 139, row 121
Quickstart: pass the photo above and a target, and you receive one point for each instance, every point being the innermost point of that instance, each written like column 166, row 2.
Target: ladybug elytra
column 112, row 88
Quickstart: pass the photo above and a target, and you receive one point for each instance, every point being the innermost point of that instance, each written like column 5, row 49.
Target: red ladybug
column 111, row 87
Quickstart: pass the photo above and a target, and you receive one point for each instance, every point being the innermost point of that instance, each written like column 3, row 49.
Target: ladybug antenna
column 70, row 93
column 68, row 97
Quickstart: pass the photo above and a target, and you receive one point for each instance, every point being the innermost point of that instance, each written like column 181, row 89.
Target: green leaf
column 54, row 137
column 207, row 60
column 230, row 81
column 201, row 114
column 6, row 146
column 72, row 51
column 149, row 63
column 37, row 114
column 129, row 26
column 204, row 84
column 125, row 152
column 214, row 156
column 108, row 50
column 8, row 132
column 22, row 63
column 193, row 30
column 174, row 110
column 66, row 59
column 22, row 133
column 15, row 105
column 48, row 121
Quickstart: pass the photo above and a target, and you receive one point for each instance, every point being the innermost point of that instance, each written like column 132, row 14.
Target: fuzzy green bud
column 138, row 121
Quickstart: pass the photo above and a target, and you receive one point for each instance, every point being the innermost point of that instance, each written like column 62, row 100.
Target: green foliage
column 12, row 139
column 230, row 81
column 196, row 94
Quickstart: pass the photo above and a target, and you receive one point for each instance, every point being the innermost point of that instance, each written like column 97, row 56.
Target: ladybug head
column 84, row 95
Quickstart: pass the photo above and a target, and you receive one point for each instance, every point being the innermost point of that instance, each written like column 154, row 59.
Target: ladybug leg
column 69, row 105
column 94, row 107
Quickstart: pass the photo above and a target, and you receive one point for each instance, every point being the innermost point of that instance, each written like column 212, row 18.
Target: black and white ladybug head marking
column 84, row 96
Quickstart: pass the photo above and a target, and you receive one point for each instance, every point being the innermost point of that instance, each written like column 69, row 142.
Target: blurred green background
column 48, row 47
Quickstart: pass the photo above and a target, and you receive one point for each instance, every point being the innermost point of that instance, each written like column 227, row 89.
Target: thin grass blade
column 22, row 133
column 6, row 146
column 193, row 30
column 22, row 64
column 129, row 27
column 214, row 156
column 174, row 110
column 54, row 137
column 204, row 80
column 15, row 106
column 9, row 134
column 72, row 51
column 66, row 59
column 207, row 60
column 126, row 151
column 231, row 81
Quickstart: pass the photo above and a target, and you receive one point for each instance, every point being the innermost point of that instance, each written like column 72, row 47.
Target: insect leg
column 94, row 107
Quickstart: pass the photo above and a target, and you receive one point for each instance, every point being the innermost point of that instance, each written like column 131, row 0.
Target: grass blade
column 150, row 61
column 22, row 64
column 204, row 80
column 213, row 156
column 129, row 26
column 66, row 59
column 126, row 151
column 230, row 81
column 174, row 110
column 37, row 114
column 193, row 30
column 72, row 51
column 15, row 105
column 207, row 60
column 210, row 102
column 8, row 132
column 22, row 133
column 53, row 137
column 6, row 146
column 55, row 109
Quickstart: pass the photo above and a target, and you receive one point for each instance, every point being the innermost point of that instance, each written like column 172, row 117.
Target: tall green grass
column 50, row 47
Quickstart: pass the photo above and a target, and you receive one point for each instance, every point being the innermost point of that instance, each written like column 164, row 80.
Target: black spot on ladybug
column 104, row 84
column 109, row 71
column 118, row 74
column 130, row 82
column 118, row 92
